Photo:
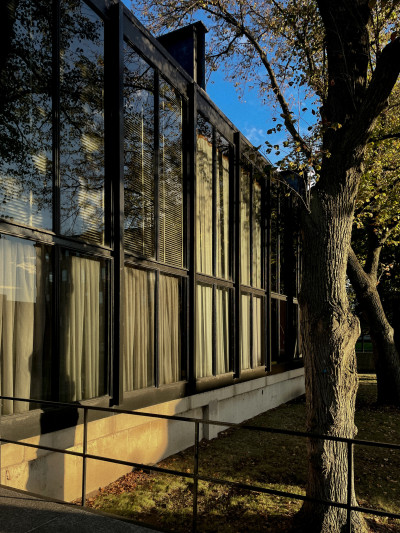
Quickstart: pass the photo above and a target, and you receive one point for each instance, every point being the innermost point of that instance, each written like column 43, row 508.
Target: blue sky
column 248, row 114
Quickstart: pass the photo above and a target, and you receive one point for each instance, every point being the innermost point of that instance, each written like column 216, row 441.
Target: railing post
column 196, row 475
column 84, row 451
column 349, row 483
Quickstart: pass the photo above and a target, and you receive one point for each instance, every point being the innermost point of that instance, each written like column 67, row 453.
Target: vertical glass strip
column 26, row 113
column 81, row 123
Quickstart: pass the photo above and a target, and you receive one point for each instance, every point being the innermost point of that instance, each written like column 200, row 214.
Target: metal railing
column 195, row 476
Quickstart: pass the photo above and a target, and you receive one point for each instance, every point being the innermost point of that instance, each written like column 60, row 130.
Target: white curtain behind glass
column 245, row 324
column 22, row 321
column 80, row 333
column 204, row 331
column 169, row 330
column 257, row 331
column 139, row 329
column 204, row 205
column 222, row 325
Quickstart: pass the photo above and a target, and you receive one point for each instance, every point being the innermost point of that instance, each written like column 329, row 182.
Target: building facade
column 148, row 259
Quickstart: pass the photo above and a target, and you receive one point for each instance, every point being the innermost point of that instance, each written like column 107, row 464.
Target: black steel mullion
column 56, row 115
column 186, row 160
column 251, row 331
column 214, row 330
column 237, row 297
column 251, row 223
column 114, row 171
column 157, row 311
column 214, row 178
column 157, row 164
column 267, row 270
column 192, row 142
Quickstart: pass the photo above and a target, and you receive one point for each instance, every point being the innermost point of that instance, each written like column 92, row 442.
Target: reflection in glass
column 204, row 195
column 274, row 238
column 256, row 228
column 25, row 322
column 222, row 331
column 169, row 330
column 139, row 169
column 83, row 308
column 222, row 200
column 203, row 331
column 26, row 113
column 139, row 329
column 81, row 122
column 171, row 177
column 245, row 348
column 245, row 182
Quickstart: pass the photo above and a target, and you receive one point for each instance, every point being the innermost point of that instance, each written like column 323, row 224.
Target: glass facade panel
column 139, row 309
column 139, row 167
column 222, row 207
column 25, row 322
column 256, row 250
column 257, row 332
column 169, row 330
column 204, row 197
column 245, row 224
column 245, row 348
column 204, row 333
column 274, row 257
column 83, row 308
column 81, row 123
column 171, row 177
column 222, row 331
column 26, row 113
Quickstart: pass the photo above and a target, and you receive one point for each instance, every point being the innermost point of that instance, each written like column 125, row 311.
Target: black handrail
column 195, row 475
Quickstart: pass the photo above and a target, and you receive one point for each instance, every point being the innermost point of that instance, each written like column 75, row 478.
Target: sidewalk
column 22, row 513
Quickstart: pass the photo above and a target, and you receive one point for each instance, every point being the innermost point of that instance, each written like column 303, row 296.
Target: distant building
column 147, row 260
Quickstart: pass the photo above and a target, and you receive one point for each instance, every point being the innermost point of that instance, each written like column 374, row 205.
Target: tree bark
column 329, row 334
column 386, row 356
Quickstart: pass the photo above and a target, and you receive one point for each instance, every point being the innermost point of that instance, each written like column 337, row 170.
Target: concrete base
column 136, row 438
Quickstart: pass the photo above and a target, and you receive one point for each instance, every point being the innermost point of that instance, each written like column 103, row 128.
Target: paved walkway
column 23, row 513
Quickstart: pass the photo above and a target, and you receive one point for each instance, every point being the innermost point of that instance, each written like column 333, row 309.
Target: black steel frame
column 121, row 27
column 195, row 476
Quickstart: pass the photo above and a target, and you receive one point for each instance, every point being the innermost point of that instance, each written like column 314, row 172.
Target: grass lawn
column 263, row 459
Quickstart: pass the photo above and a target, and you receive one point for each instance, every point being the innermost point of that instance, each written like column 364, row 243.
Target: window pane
column 25, row 322
column 245, row 348
column 82, row 122
column 257, row 332
column 204, row 195
column 257, row 225
column 204, row 331
column 83, row 322
column 169, row 330
column 274, row 238
column 274, row 331
column 139, row 329
column 139, row 155
column 26, row 113
column 222, row 199
column 222, row 331
column 245, row 226
column 171, row 177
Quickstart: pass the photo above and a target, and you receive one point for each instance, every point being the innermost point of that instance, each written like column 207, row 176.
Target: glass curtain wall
column 153, row 186
column 212, row 252
column 52, row 178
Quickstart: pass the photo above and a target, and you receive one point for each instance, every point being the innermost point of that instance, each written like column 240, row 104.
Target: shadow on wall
column 48, row 470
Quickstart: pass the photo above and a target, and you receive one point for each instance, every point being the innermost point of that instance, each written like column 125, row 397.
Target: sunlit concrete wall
column 138, row 439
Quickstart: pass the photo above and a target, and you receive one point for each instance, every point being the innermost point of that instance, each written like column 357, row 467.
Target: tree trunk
column 329, row 334
column 386, row 356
